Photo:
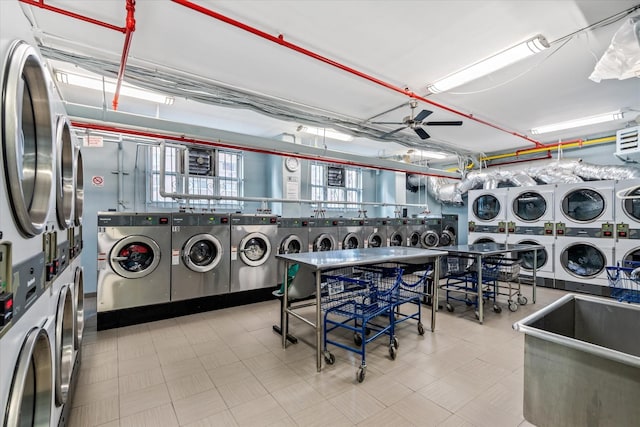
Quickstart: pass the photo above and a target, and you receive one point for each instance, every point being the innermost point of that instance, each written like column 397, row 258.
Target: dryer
column 430, row 238
column 293, row 238
column 585, row 209
column 449, row 234
column 487, row 211
column 397, row 231
column 627, row 219
column 323, row 234
column 545, row 273
column 200, row 259
column 134, row 266
column 374, row 233
column 580, row 264
column 531, row 210
column 350, row 232
column 253, row 247
column 415, row 227
column 475, row 238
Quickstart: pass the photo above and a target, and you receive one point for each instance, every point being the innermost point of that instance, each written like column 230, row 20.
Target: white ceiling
column 404, row 43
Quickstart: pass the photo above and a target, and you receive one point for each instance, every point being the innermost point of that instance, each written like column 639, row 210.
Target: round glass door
column 526, row 258
column 202, row 253
column 375, row 241
column 486, row 207
column 255, row 249
column 65, row 337
column 414, row 239
column 396, row 239
column 65, row 181
column 135, row 256
column 447, row 238
column 323, row 243
column 583, row 260
column 529, row 206
column 632, row 206
column 430, row 239
column 484, row 240
column 351, row 241
column 27, row 138
column 79, row 186
column 78, row 292
column 291, row 245
column 583, row 205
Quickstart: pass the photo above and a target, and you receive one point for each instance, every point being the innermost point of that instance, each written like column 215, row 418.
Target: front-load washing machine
column 200, row 258
column 75, row 232
column 350, row 232
column 397, row 231
column 585, row 209
column 449, row 234
column 580, row 264
column 545, row 273
column 530, row 208
column 293, row 238
column 323, row 234
column 430, row 238
column 488, row 211
column 134, row 267
column 253, row 248
column 415, row 228
column 374, row 233
column 78, row 302
column 627, row 210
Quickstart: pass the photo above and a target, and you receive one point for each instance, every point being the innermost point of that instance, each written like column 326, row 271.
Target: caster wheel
column 393, row 352
column 469, row 303
column 513, row 306
column 329, row 358
column 420, row 329
column 395, row 343
column 357, row 339
column 449, row 308
column 367, row 331
column 522, row 300
column 360, row 374
column 477, row 313
column 497, row 309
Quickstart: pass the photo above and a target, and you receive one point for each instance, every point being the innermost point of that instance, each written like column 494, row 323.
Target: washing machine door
column 202, row 253
column 65, row 181
column 447, row 237
column 78, row 293
column 254, row 249
column 632, row 206
column 134, row 257
column 396, row 239
column 29, row 402
column 291, row 245
column 529, row 206
column 27, row 138
column 486, row 207
column 65, row 337
column 483, row 240
column 430, row 239
column 78, row 205
column 375, row 241
column 415, row 239
column 583, row 260
column 526, row 257
column 583, row 205
column 351, row 241
column 322, row 243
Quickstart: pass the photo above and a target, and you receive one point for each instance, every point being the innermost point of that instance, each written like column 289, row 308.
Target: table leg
column 318, row 322
column 535, row 267
column 434, row 293
column 480, row 300
column 285, row 306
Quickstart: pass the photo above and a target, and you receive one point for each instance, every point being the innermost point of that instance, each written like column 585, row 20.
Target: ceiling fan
column 416, row 122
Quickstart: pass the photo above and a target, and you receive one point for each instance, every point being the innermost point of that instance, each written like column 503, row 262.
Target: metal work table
column 482, row 250
column 330, row 260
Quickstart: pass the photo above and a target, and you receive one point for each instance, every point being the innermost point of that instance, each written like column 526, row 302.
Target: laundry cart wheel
column 396, row 343
column 360, row 374
column 522, row 300
column 450, row 308
column 329, row 358
column 357, row 339
column 420, row 328
column 513, row 306
column 497, row 309
column 393, row 352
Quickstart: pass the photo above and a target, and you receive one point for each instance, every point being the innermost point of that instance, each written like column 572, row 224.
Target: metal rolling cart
column 480, row 259
column 317, row 263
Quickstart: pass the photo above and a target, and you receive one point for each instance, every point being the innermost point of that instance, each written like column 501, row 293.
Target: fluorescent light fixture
column 125, row 90
column 491, row 64
column 327, row 133
column 427, row 154
column 585, row 121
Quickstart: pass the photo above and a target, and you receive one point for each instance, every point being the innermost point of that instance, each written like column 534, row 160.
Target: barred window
column 205, row 172
column 333, row 184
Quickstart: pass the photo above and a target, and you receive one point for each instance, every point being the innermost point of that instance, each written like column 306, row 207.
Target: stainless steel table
column 482, row 250
column 330, row 260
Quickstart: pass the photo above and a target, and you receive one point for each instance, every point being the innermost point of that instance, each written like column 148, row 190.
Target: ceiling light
column 585, row 121
column 125, row 90
column 324, row 132
column 491, row 64
column 428, row 154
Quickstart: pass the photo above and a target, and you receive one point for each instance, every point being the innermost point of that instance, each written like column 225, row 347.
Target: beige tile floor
column 227, row 367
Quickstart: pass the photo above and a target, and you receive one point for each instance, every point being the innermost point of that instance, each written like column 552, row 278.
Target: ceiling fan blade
column 454, row 123
column 387, row 123
column 422, row 133
column 392, row 132
column 422, row 115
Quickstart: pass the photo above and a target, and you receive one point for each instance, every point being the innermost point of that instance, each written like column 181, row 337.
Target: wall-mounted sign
column 92, row 141
column 335, row 176
column 97, row 181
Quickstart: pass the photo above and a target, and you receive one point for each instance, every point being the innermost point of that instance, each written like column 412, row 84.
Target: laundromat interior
column 312, row 213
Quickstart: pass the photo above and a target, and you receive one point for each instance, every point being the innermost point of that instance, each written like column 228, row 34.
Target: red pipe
column 131, row 27
column 281, row 41
column 548, row 156
column 181, row 138
column 41, row 4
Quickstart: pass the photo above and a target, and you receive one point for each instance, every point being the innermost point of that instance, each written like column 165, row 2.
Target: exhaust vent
column 200, row 162
column 627, row 143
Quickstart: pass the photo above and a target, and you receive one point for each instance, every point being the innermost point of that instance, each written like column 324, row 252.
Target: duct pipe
column 42, row 5
column 281, row 41
column 131, row 27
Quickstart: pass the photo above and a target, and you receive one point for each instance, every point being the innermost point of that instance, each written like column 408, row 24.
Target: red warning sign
column 97, row 181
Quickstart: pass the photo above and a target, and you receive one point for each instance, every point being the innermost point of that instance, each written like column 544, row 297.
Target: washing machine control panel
column 622, row 231
column 6, row 296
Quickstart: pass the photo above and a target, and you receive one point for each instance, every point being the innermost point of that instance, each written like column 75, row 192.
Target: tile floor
column 227, row 368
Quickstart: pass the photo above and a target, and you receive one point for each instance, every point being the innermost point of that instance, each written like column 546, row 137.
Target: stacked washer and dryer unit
column 488, row 216
column 41, row 306
column 627, row 219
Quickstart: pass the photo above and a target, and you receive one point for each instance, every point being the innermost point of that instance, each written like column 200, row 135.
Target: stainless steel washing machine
column 350, row 232
column 134, row 267
column 293, row 238
column 323, row 234
column 415, row 228
column 200, row 258
column 374, row 232
column 397, row 231
column 253, row 248
column 430, row 238
column 449, row 234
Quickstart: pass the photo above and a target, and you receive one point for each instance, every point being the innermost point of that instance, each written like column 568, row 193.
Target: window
column 211, row 173
column 350, row 191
